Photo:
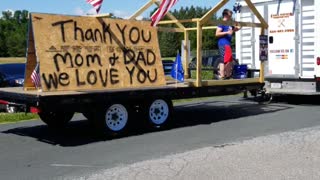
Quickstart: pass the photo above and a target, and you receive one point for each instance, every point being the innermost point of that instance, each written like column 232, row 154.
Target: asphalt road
column 29, row 150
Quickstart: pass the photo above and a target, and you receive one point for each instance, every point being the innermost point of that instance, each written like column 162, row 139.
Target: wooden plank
column 210, row 13
column 141, row 10
column 30, row 88
column 257, row 14
column 232, row 23
column 31, row 59
column 199, row 54
column 179, row 21
column 101, row 15
column 180, row 25
column 225, row 82
column 172, row 17
column 203, row 28
column 84, row 53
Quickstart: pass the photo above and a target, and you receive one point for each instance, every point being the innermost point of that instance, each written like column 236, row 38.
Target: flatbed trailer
column 67, row 86
column 79, row 101
column 57, row 108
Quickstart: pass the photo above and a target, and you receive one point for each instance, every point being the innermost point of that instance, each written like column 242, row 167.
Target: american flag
column 35, row 76
column 163, row 9
column 96, row 4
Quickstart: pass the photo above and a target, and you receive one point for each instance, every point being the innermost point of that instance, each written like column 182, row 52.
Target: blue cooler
column 240, row 71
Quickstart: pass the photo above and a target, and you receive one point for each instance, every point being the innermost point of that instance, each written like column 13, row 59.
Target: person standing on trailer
column 224, row 34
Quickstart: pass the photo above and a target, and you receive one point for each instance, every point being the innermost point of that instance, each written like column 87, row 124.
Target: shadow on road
column 80, row 132
column 298, row 100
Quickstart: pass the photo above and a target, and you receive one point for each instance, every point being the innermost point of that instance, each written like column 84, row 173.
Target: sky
column 120, row 8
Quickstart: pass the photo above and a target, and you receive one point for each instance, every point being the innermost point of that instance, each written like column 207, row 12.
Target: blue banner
column 177, row 71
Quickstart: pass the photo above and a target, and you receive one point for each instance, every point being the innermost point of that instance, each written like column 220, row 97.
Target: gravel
column 290, row 155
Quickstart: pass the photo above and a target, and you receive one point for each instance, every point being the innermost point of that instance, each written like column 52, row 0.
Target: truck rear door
column 283, row 41
column 308, row 39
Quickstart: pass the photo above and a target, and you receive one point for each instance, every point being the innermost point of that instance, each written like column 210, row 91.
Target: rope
column 279, row 3
column 294, row 6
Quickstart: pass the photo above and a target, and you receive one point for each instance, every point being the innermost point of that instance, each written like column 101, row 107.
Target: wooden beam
column 203, row 28
column 179, row 21
column 257, row 14
column 208, row 15
column 141, row 10
column 225, row 82
column 101, row 15
column 199, row 54
column 168, row 29
column 186, row 54
column 231, row 23
column 172, row 17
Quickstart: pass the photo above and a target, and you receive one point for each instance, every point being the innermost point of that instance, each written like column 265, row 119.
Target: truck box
column 293, row 65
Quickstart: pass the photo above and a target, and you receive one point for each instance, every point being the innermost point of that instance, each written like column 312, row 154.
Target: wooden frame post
column 199, row 54
column 202, row 24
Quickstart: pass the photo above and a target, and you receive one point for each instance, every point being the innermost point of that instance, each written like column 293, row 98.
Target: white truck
column 293, row 65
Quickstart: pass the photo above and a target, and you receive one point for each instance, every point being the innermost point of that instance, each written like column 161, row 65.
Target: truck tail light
column 34, row 110
column 318, row 61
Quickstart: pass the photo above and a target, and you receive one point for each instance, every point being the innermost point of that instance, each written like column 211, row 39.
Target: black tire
column 113, row 119
column 58, row 119
column 158, row 112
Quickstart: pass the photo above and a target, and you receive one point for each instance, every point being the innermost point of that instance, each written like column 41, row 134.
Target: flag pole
column 177, row 69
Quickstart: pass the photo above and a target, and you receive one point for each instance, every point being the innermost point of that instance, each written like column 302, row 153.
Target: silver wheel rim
column 159, row 112
column 116, row 117
column 11, row 109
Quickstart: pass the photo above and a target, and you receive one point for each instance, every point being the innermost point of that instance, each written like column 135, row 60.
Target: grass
column 4, row 60
column 16, row 117
column 169, row 58
column 206, row 74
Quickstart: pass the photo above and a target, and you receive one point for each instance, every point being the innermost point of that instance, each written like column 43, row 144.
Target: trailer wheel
column 113, row 120
column 159, row 112
column 55, row 119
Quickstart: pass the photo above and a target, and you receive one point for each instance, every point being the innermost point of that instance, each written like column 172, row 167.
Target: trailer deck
column 77, row 100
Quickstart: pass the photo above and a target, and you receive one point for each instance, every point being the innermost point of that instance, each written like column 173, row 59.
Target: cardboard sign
column 83, row 53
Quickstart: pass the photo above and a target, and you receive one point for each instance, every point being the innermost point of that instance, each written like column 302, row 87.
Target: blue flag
column 177, row 71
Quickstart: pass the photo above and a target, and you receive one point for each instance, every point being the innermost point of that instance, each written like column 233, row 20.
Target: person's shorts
column 225, row 53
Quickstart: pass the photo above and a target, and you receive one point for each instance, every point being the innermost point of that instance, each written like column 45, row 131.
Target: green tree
column 13, row 33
